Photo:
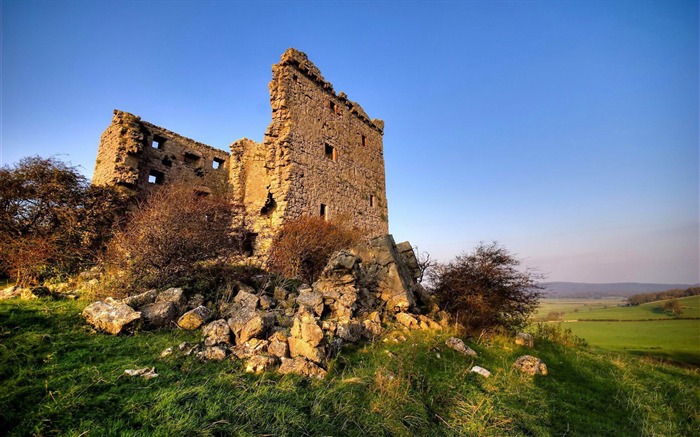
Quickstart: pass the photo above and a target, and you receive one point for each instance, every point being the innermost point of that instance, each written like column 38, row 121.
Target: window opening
column 331, row 105
column 371, row 200
column 191, row 159
column 330, row 152
column 157, row 142
column 323, row 211
column 217, row 163
column 364, row 140
column 155, row 177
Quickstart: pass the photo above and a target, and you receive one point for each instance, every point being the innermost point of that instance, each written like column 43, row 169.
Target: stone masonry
column 321, row 156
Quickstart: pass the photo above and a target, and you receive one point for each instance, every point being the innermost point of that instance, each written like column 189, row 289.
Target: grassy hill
column 59, row 378
column 610, row 309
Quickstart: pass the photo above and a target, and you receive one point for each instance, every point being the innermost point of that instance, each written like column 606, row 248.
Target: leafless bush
column 303, row 246
column 175, row 232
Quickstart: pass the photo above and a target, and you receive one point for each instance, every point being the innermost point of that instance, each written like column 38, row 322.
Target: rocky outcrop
column 359, row 294
column 111, row 316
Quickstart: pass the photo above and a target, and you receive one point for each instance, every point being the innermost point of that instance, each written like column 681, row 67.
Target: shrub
column 171, row 234
column 485, row 290
column 52, row 221
column 303, row 246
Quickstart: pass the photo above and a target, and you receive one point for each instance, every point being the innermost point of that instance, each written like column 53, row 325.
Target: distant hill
column 623, row 289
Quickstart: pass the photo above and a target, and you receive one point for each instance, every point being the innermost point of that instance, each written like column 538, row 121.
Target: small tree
column 170, row 233
column 303, row 246
column 51, row 220
column 674, row 307
column 484, row 289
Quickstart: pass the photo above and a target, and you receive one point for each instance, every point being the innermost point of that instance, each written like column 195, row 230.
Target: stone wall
column 136, row 154
column 321, row 155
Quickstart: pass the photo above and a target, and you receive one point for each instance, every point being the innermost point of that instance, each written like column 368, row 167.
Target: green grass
column 678, row 340
column 58, row 378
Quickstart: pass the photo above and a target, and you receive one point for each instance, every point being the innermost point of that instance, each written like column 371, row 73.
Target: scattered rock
column 481, row 371
column 305, row 337
column 195, row 318
column 301, row 366
column 217, row 332
column 10, row 292
column 145, row 373
column 166, row 352
column 111, row 316
column 372, row 325
column 195, row 301
column 139, row 300
column 524, row 339
column 458, row 345
column 158, row 315
column 531, row 365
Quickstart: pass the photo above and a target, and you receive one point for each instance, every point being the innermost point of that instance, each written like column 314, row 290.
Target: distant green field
column 642, row 330
column 678, row 340
column 609, row 309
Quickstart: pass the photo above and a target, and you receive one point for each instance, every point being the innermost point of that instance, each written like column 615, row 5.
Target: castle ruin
column 321, row 155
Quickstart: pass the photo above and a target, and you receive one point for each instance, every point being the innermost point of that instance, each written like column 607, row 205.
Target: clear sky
column 565, row 130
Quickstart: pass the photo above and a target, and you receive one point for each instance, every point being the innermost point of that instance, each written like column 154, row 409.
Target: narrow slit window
column 155, row 177
column 332, row 107
column 371, row 200
column 364, row 140
column 157, row 142
column 330, row 152
column 217, row 163
column 323, row 210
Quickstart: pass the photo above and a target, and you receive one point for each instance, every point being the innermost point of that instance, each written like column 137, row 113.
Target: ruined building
column 321, row 155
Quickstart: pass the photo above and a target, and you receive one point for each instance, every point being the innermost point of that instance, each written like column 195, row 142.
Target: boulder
column 260, row 363
column 427, row 324
column 407, row 321
column 306, row 337
column 249, row 348
column 246, row 299
column 301, row 366
column 338, row 286
column 174, row 295
column 10, row 292
column 158, row 315
column 531, row 365
column 195, row 318
column 217, row 332
column 278, row 345
column 138, row 300
column 372, row 325
column 311, row 299
column 111, row 316
column 524, row 339
column 245, row 323
column 458, row 345
column 212, row 353
column 386, row 272
column 351, row 331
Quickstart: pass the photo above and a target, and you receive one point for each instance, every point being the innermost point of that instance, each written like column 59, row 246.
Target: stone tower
column 321, row 155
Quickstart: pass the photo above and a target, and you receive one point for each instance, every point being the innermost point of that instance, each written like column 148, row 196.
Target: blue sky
column 567, row 131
